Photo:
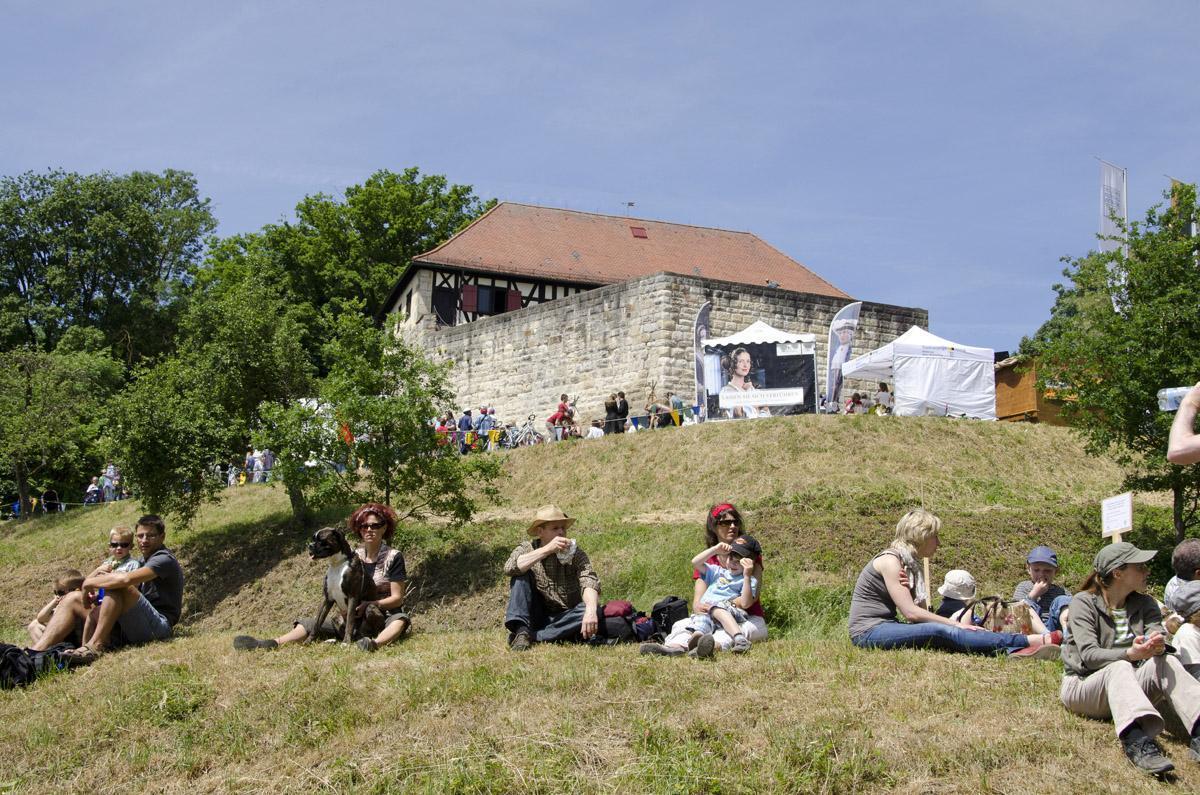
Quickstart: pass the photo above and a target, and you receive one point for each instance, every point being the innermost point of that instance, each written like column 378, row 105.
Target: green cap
column 1114, row 556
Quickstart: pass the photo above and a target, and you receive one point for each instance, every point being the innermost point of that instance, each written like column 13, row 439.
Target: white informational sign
column 1116, row 514
column 730, row 398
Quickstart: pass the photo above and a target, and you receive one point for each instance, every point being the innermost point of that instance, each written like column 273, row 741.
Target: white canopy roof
column 916, row 342
column 932, row 375
column 759, row 331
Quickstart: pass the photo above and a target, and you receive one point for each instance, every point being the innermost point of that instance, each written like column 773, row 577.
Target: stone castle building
column 530, row 302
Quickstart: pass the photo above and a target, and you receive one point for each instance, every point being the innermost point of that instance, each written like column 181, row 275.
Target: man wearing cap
column 1040, row 592
column 1115, row 664
column 554, row 595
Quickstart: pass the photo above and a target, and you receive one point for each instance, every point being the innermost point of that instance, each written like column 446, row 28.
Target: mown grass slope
column 450, row 710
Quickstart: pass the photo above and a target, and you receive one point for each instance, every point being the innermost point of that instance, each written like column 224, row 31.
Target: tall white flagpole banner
column 1112, row 202
column 841, row 343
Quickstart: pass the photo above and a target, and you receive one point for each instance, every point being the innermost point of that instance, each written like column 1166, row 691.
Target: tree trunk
column 300, row 513
column 1177, row 511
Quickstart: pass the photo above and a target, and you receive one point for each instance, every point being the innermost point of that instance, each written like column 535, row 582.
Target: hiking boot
column 247, row 643
column 367, row 644
column 521, row 641
column 1145, row 754
column 705, row 646
column 660, row 649
column 741, row 644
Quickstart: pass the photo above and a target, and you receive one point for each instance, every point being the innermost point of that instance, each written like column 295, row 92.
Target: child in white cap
column 1185, row 601
column 957, row 588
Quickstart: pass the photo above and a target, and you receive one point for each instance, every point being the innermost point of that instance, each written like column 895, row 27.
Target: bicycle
column 523, row 436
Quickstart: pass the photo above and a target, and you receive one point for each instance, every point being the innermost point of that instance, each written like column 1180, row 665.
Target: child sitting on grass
column 120, row 542
column 67, row 580
column 732, row 589
column 957, row 588
column 1185, row 602
column 1046, row 600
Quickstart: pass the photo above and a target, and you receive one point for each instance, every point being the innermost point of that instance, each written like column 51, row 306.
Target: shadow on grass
column 465, row 568
column 218, row 563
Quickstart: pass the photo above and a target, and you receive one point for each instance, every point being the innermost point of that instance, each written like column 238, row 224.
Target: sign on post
column 1116, row 516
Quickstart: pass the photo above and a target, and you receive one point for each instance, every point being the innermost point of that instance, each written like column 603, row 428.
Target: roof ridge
column 628, row 218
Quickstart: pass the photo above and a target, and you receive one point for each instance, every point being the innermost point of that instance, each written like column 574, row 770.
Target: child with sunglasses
column 120, row 543
column 67, row 580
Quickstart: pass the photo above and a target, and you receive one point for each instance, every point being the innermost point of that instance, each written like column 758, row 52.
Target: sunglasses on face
column 372, row 525
column 729, row 521
column 119, row 544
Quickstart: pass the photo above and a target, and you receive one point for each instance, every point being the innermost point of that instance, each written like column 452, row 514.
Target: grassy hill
column 450, row 710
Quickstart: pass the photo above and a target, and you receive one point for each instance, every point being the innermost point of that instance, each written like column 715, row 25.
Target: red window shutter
column 470, row 298
column 512, row 301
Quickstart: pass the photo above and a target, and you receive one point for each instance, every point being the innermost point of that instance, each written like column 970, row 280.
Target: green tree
column 384, row 393
column 346, row 255
column 51, row 407
column 193, row 411
column 104, row 251
column 1126, row 326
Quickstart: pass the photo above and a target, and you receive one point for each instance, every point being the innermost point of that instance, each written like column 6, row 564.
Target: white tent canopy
column 759, row 331
column 932, row 375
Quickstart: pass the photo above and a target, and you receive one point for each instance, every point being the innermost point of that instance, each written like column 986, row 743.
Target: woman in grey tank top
column 892, row 582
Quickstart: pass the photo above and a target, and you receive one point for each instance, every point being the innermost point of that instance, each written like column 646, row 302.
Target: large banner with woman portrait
column 760, row 372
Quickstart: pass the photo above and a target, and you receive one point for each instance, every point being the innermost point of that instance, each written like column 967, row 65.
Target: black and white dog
column 346, row 582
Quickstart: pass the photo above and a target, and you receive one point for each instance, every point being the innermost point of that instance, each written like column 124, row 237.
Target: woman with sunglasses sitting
column 384, row 619
column 723, row 525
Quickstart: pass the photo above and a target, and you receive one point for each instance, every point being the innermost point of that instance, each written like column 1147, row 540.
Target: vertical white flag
column 1112, row 203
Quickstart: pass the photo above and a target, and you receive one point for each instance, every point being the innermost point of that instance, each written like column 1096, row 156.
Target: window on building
column 408, row 304
column 445, row 305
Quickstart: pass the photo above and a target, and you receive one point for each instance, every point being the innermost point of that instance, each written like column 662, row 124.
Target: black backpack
column 666, row 612
column 20, row 667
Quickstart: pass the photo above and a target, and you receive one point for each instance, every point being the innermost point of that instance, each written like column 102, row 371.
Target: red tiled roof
column 586, row 248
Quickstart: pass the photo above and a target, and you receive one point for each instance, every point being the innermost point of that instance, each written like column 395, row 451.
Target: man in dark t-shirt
column 137, row 607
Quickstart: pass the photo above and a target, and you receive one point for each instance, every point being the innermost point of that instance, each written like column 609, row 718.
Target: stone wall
column 628, row 337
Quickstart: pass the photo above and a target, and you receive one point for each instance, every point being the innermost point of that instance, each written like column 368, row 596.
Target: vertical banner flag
column 841, row 343
column 1113, row 181
column 701, row 334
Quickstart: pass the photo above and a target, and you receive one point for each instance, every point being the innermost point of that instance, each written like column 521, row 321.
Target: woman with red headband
column 723, row 525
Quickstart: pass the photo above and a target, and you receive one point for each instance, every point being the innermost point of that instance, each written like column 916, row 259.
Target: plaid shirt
column 561, row 585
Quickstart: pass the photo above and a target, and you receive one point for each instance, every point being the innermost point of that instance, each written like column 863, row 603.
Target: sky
column 931, row 154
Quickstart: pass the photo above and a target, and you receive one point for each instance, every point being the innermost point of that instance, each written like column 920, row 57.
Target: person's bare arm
column 43, row 616
column 525, row 562
column 698, row 561
column 889, row 567
column 745, row 599
column 698, row 590
column 591, row 611
column 120, row 579
column 1183, row 446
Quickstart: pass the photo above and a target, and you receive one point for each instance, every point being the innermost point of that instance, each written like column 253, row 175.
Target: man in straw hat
column 555, row 595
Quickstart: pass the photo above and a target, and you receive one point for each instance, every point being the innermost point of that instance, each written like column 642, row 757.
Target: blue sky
column 933, row 154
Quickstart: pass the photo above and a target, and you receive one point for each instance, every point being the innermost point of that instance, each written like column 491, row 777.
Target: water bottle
column 99, row 595
column 1170, row 398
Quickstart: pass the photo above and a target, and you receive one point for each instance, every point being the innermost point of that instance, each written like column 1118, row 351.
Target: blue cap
column 1043, row 554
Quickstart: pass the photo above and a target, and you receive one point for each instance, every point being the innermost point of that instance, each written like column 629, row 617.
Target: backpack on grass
column 666, row 612
column 20, row 667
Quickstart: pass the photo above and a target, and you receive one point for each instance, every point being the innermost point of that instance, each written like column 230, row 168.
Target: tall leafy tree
column 105, row 251
column 180, row 420
column 346, row 254
column 51, row 408
column 375, row 409
column 1127, row 325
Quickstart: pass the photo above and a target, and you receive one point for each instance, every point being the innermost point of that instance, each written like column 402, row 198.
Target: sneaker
column 247, row 643
column 1044, row 652
column 660, row 649
column 367, row 644
column 521, row 641
column 705, row 646
column 1145, row 755
column 741, row 644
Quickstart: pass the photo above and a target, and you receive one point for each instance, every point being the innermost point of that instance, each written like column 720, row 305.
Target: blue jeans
column 894, row 635
column 526, row 610
column 1059, row 604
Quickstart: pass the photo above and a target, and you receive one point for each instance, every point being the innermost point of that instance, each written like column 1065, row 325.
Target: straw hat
column 549, row 514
